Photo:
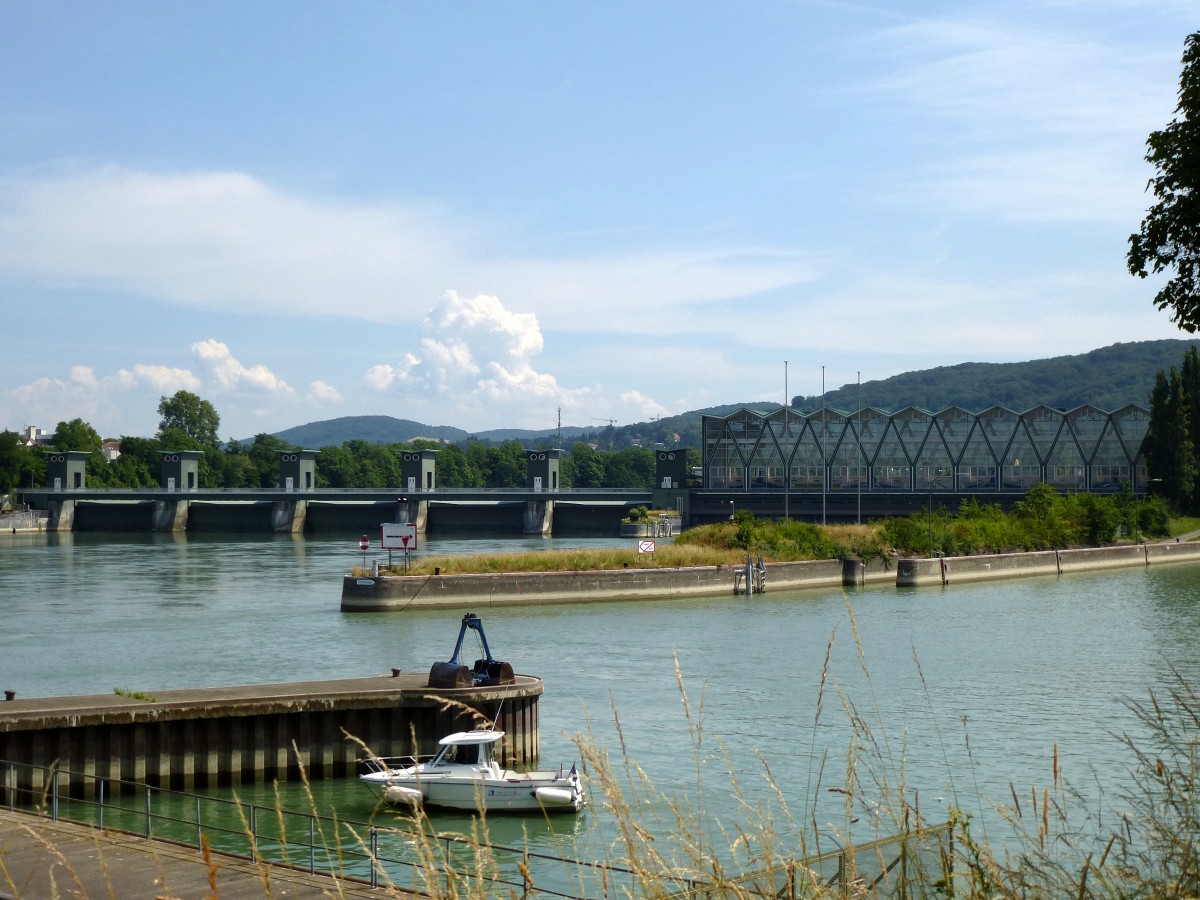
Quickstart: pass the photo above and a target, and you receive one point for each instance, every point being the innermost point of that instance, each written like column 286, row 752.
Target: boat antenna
column 496, row 720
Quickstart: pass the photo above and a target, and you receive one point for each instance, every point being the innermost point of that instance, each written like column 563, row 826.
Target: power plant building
column 913, row 450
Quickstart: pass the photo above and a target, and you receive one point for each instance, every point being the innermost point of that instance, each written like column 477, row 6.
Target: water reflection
column 955, row 695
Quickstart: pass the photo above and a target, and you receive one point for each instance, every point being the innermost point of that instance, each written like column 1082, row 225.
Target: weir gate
column 497, row 511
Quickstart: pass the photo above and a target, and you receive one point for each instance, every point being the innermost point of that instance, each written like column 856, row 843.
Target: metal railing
column 365, row 852
column 394, row 492
column 914, row 864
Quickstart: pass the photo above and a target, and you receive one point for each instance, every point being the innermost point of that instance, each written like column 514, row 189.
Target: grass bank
column 1044, row 520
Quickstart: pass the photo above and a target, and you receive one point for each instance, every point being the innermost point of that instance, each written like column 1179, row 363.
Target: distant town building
column 36, row 437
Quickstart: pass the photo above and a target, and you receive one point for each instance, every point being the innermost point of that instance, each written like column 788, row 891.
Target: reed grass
column 577, row 560
column 661, row 844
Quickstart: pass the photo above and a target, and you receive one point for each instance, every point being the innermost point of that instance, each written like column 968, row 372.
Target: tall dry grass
column 780, row 841
column 579, row 560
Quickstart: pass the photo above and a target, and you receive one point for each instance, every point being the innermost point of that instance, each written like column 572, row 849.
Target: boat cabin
column 467, row 748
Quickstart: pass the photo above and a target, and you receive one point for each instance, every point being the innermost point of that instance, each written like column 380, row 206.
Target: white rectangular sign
column 645, row 546
column 398, row 536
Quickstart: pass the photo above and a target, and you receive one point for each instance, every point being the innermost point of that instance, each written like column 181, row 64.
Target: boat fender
column 398, row 793
column 555, row 796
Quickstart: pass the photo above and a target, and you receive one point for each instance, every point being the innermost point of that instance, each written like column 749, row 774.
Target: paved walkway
column 42, row 859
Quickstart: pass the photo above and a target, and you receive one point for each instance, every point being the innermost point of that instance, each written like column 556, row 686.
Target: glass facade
column 1084, row 449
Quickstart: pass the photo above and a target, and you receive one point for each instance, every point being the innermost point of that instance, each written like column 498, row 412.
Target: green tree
column 1169, row 239
column 236, row 467
column 1167, row 447
column 586, row 466
column 188, row 422
column 139, row 465
column 79, row 435
column 264, row 460
column 452, row 467
column 508, row 466
column 19, row 465
column 632, row 468
column 1189, row 377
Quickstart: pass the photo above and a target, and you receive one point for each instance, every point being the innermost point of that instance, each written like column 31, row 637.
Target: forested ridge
column 1108, row 378
column 363, row 451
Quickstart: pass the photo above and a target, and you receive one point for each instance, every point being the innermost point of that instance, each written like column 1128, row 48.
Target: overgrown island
column 1044, row 520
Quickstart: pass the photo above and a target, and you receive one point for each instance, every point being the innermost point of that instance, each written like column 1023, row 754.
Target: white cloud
column 163, row 379
column 640, row 407
column 474, row 354
column 96, row 399
column 229, row 374
column 228, row 241
column 320, row 392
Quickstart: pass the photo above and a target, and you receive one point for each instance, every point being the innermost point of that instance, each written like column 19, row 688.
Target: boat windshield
column 462, row 755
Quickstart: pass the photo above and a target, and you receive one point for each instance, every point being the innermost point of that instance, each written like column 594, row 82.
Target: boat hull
column 465, row 774
column 522, row 792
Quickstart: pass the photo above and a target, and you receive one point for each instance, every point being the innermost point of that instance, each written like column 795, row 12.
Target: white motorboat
column 464, row 774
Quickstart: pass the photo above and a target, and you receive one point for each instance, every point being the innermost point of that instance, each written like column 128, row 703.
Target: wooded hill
column 1108, row 378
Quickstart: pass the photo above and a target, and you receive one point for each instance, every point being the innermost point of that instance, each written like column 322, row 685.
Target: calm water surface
column 963, row 692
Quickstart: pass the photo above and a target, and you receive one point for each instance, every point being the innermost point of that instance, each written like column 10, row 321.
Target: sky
column 507, row 215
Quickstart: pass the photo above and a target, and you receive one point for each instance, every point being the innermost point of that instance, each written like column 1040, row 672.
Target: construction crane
column 611, row 422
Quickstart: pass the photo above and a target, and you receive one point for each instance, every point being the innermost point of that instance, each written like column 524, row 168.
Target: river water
column 958, row 695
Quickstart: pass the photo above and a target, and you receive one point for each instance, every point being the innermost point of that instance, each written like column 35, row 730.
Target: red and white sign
column 364, row 543
column 645, row 546
column 398, row 536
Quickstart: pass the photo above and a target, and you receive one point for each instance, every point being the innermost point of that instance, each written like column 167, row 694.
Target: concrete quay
column 186, row 739
column 396, row 592
column 42, row 858
column 379, row 593
column 961, row 569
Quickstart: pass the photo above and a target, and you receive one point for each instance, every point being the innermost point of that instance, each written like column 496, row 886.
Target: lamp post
column 929, row 519
column 824, row 464
column 787, row 467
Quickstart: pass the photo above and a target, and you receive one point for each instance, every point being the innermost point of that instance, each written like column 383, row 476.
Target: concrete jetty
column 376, row 593
column 987, row 567
column 185, row 739
column 43, row 858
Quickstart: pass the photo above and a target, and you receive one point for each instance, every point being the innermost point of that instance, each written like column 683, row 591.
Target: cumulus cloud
column 126, row 400
column 474, row 353
column 227, row 372
column 94, row 398
column 320, row 392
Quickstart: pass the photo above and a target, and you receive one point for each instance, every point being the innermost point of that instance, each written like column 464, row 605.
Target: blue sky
column 480, row 214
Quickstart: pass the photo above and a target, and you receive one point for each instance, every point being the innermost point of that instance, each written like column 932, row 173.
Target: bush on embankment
column 787, row 541
column 1044, row 520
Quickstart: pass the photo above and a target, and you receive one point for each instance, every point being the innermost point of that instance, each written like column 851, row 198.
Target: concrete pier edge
column 390, row 593
column 208, row 737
